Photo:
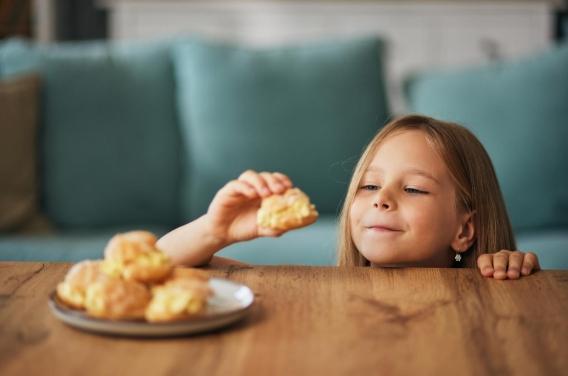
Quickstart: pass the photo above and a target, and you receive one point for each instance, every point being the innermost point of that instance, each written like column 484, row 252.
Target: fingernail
column 278, row 186
column 514, row 273
column 487, row 269
column 525, row 271
column 264, row 190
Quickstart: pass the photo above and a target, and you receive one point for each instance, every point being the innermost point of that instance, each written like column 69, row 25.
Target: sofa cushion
column 68, row 246
column 519, row 111
column 312, row 245
column 110, row 147
column 551, row 246
column 306, row 111
column 19, row 188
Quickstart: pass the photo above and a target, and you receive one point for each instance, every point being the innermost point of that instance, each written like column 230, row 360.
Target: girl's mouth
column 383, row 229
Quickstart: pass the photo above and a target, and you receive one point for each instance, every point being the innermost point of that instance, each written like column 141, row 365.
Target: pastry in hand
column 134, row 257
column 179, row 298
column 287, row 211
column 117, row 299
column 73, row 289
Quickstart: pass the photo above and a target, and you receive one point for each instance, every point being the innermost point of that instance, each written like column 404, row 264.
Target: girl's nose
column 383, row 205
column 383, row 202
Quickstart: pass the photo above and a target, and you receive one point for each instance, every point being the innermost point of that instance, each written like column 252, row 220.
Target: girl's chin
column 390, row 257
column 386, row 260
column 384, row 257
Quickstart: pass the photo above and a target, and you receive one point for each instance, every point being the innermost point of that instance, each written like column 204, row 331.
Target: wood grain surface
column 313, row 320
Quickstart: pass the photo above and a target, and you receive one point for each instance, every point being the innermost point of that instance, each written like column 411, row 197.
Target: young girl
column 423, row 194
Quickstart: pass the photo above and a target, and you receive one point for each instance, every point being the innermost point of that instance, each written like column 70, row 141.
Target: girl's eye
column 370, row 187
column 414, row 190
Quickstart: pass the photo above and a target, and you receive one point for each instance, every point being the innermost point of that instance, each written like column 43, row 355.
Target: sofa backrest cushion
column 519, row 111
column 110, row 150
column 306, row 111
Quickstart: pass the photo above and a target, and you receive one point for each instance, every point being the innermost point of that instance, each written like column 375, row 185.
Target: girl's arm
column 507, row 264
column 231, row 218
column 192, row 244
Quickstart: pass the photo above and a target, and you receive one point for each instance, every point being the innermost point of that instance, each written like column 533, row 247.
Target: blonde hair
column 477, row 188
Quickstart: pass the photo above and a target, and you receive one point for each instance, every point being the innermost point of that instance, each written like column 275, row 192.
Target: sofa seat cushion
column 69, row 246
column 109, row 142
column 551, row 246
column 306, row 111
column 519, row 111
column 312, row 245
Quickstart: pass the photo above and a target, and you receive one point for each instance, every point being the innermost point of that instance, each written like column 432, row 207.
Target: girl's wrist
column 218, row 239
column 193, row 244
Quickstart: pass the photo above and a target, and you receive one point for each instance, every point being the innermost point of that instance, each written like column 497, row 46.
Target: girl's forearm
column 192, row 244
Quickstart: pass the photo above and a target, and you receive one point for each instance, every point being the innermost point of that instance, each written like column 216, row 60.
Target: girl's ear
column 465, row 235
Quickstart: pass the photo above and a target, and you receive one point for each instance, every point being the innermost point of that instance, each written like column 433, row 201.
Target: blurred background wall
column 89, row 19
column 420, row 34
column 50, row 20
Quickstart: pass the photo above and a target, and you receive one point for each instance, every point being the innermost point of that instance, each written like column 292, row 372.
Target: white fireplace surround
column 419, row 35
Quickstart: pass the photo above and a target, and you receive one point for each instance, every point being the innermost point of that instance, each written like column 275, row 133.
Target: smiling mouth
column 382, row 229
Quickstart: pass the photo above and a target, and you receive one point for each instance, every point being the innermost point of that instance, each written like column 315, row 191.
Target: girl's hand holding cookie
column 232, row 214
column 507, row 264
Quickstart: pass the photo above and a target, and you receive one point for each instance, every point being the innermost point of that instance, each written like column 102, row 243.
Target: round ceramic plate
column 230, row 302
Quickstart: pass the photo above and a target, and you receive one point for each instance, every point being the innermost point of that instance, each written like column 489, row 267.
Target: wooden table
column 313, row 320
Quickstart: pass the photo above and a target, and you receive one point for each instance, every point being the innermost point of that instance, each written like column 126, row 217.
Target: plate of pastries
column 136, row 291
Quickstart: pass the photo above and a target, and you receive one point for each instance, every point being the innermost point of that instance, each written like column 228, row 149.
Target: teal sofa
column 519, row 110
column 140, row 135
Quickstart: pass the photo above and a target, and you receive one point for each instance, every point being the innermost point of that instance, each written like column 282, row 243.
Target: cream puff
column 134, row 257
column 73, row 289
column 117, row 299
column 179, row 298
column 287, row 211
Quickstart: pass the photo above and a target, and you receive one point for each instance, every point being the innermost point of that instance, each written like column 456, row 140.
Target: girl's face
column 405, row 212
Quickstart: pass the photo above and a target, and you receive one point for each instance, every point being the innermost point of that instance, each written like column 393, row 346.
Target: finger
column 269, row 232
column 485, row 265
column 273, row 182
column 500, row 261
column 283, row 179
column 240, row 188
column 254, row 179
column 530, row 263
column 515, row 263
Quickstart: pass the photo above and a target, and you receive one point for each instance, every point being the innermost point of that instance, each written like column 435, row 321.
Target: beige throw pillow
column 19, row 185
